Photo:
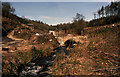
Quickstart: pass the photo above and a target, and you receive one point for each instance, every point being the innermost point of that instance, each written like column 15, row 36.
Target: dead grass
column 100, row 50
column 32, row 48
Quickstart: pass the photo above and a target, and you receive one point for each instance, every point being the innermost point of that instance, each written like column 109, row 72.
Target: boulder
column 12, row 48
column 50, row 40
column 11, row 51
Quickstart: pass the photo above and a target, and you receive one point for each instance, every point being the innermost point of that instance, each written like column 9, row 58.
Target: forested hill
column 106, row 15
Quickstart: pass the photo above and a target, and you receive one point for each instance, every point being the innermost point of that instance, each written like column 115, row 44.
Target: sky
column 58, row 0
column 54, row 13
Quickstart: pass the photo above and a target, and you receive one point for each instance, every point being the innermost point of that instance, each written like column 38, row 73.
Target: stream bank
column 39, row 67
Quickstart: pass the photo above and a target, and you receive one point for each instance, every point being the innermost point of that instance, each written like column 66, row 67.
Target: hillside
column 8, row 24
column 104, row 21
column 99, row 54
column 31, row 48
column 21, row 45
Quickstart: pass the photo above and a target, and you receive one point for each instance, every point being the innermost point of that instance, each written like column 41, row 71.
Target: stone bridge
column 76, row 38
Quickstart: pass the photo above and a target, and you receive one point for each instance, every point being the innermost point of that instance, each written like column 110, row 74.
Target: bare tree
column 78, row 23
column 107, row 10
column 78, row 17
column 99, row 13
column 94, row 15
column 102, row 11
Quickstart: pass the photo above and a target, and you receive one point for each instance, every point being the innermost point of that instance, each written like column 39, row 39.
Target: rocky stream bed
column 38, row 68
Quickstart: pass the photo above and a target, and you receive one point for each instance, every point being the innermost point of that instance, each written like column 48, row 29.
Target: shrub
column 36, row 53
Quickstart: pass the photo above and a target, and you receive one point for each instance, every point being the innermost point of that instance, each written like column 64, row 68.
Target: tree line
column 110, row 10
column 7, row 9
column 75, row 27
column 106, row 15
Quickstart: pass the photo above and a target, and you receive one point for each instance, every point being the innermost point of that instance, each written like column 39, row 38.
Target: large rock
column 31, row 70
column 12, row 48
column 11, row 51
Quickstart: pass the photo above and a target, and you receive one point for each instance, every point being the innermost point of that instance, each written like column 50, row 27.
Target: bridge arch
column 69, row 43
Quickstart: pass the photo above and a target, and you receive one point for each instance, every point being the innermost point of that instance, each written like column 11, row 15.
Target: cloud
column 45, row 17
column 29, row 17
column 32, row 17
column 54, row 20
column 49, row 17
